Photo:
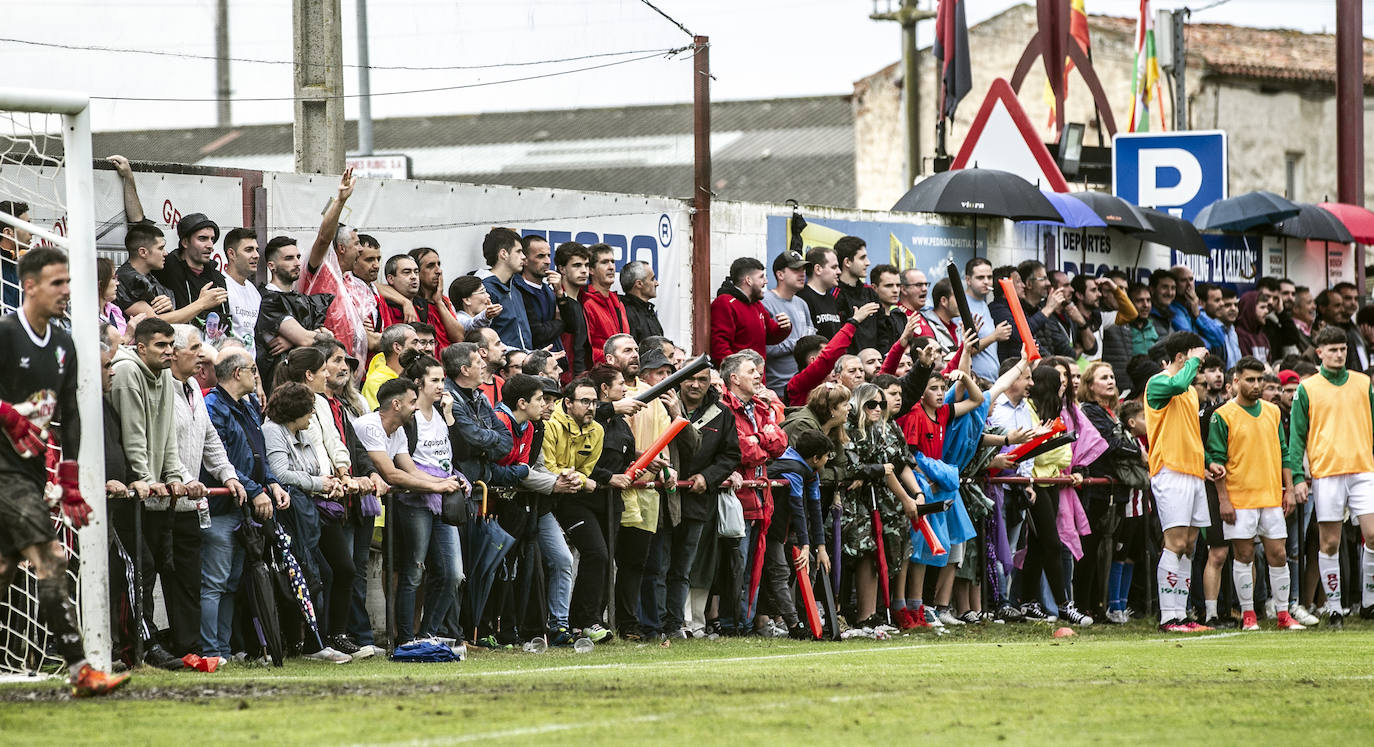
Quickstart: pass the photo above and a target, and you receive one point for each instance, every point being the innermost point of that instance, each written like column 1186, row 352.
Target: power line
column 259, row 61
column 671, row 20
column 438, row 89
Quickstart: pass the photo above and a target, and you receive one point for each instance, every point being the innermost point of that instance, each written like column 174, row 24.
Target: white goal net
column 46, row 200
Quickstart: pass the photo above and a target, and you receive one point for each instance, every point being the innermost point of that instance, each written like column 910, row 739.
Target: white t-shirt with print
column 244, row 304
column 432, row 447
column 373, row 436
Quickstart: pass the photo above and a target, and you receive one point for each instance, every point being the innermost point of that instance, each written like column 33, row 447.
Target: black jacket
column 1120, row 446
column 186, row 286
column 643, row 317
column 825, row 311
column 847, row 299
column 617, row 453
column 795, row 521
column 888, row 328
column 575, row 334
column 1050, row 336
column 714, row 459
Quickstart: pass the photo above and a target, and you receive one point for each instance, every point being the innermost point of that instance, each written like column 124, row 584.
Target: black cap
column 189, row 224
column 653, row 358
column 790, row 260
column 549, row 386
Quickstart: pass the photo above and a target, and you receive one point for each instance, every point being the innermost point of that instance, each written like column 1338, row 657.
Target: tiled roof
column 635, row 149
column 1246, row 52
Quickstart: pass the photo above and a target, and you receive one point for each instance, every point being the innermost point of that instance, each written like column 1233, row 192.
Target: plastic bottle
column 583, row 645
column 203, row 512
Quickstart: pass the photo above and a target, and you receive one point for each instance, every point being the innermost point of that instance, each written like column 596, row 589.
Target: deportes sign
column 1179, row 173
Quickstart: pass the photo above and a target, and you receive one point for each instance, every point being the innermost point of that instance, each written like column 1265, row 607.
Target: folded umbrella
column 485, row 546
column 260, row 590
column 1243, row 212
column 880, row 557
column 296, row 583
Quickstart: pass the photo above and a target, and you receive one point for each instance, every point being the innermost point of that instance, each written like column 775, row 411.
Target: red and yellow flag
column 1078, row 34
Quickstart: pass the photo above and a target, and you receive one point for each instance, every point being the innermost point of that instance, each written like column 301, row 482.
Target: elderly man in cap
column 789, row 270
column 663, row 591
column 198, row 287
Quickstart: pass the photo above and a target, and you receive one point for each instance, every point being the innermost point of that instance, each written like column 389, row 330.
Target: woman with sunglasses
column 877, row 470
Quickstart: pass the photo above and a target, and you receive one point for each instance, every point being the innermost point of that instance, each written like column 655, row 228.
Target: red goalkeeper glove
column 24, row 436
column 76, row 508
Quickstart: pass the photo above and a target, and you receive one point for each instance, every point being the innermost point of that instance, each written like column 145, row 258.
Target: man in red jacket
column 760, row 441
column 601, row 305
column 738, row 317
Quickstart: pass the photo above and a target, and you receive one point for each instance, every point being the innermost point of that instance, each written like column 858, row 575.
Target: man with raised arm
column 335, row 250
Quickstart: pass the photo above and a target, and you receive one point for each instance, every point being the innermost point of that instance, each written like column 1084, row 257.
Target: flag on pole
column 1145, row 80
column 951, row 49
column 1078, row 34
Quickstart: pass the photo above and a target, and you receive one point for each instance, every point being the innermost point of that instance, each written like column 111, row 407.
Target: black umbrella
column 1242, row 212
column 1114, row 211
column 261, row 589
column 795, row 243
column 1315, row 223
column 1175, row 233
column 978, row 192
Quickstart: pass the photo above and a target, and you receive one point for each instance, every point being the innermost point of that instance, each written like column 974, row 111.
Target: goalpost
column 46, row 163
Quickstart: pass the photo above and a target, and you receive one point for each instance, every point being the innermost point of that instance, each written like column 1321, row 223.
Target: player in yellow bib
column 1245, row 450
column 1332, row 422
column 1176, row 474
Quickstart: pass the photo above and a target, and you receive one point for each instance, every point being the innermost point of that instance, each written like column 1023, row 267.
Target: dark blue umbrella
column 1175, row 233
column 1075, row 213
column 1243, row 212
column 485, row 546
column 1315, row 223
column 1114, row 211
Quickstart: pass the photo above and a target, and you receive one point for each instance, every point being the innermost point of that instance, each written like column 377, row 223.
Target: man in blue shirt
column 505, row 254
column 977, row 286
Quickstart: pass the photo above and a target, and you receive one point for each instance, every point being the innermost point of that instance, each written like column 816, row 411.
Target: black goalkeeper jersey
column 38, row 378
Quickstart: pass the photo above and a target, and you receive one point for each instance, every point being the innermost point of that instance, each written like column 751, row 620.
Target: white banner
column 453, row 218
column 165, row 199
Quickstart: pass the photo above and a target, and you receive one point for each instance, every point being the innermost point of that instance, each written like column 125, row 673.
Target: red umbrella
column 880, row 557
column 1359, row 221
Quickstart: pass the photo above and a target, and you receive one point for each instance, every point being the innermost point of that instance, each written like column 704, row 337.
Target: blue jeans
column 666, row 576
column 359, row 624
column 558, row 566
column 221, row 566
column 421, row 536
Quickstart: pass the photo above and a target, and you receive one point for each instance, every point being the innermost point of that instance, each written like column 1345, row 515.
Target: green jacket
column 147, row 418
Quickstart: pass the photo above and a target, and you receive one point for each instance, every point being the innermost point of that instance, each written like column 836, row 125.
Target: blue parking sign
column 1179, row 173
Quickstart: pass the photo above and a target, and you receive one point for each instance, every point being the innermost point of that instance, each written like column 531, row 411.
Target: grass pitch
column 979, row 685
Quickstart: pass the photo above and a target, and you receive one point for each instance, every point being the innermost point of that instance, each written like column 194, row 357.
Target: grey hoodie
column 147, row 415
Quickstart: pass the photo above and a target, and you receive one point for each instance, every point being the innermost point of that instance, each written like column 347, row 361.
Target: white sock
column 1367, row 579
column 1170, row 585
column 1279, row 585
column 1244, row 575
column 1211, row 606
column 1329, row 566
column 1185, row 591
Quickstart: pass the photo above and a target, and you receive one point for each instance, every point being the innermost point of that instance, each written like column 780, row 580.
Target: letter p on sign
column 1176, row 172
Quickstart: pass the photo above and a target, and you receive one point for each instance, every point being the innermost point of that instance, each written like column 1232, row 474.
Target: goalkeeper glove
column 24, row 436
column 76, row 508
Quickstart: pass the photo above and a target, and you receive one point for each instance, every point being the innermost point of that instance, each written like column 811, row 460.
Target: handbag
column 455, row 510
column 729, row 516
column 1126, row 468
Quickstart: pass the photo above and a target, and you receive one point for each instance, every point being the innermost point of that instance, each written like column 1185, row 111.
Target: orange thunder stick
column 1019, row 317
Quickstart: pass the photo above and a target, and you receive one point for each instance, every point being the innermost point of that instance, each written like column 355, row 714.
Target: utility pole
column 317, row 40
column 222, row 92
column 1350, row 115
column 701, row 192
column 908, row 15
column 364, row 85
column 1180, row 20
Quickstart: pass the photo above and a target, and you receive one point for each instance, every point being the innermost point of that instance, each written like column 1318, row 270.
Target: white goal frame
column 79, row 243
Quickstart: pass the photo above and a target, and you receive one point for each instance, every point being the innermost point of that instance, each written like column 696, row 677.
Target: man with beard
column 822, row 275
column 240, row 272
column 739, row 319
column 361, row 282
column 288, row 318
column 539, row 286
column 334, row 251
column 416, row 296
column 198, row 288
column 574, row 263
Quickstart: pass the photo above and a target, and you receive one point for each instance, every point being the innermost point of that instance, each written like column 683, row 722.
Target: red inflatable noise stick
column 656, row 448
column 1019, row 453
column 921, row 525
column 813, row 615
column 1019, row 318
